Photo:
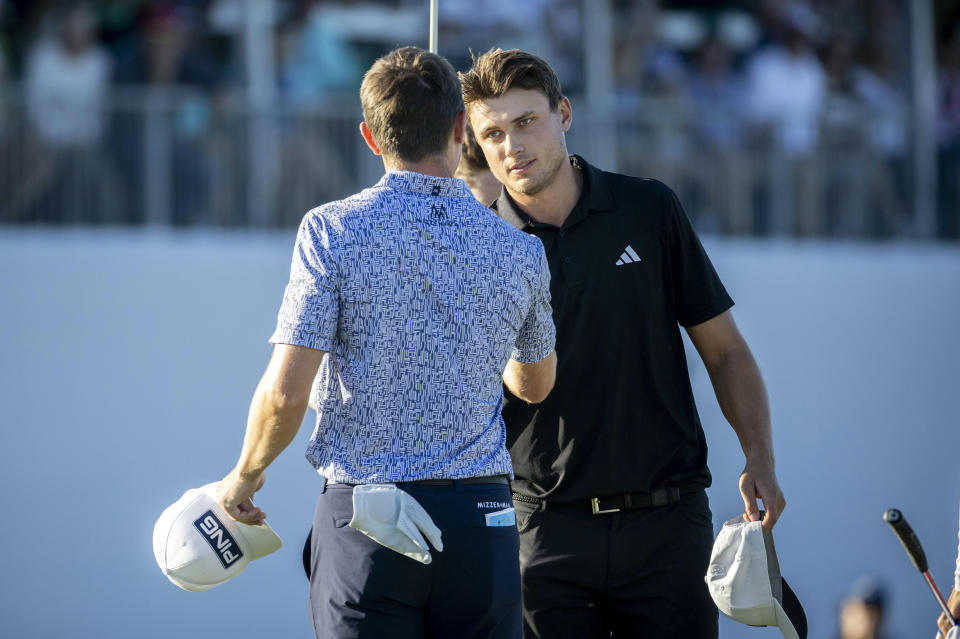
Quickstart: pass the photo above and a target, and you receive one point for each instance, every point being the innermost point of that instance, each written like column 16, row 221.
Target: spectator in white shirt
column 787, row 87
column 67, row 79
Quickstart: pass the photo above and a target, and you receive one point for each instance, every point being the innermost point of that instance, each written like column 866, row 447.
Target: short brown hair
column 410, row 100
column 497, row 71
column 472, row 153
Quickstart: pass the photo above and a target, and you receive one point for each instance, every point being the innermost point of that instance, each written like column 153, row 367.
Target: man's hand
column 760, row 482
column 235, row 495
column 953, row 604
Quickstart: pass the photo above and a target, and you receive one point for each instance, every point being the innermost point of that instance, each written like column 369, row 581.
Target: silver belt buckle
column 595, row 507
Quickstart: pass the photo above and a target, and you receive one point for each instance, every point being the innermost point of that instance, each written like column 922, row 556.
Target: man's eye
column 493, row 135
column 525, row 121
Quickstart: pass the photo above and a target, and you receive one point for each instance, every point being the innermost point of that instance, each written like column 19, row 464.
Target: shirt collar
column 425, row 184
column 595, row 196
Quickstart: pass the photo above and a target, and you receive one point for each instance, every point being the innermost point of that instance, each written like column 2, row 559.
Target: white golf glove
column 954, row 633
column 392, row 518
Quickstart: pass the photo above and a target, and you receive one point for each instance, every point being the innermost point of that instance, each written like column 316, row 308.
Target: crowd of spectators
column 715, row 79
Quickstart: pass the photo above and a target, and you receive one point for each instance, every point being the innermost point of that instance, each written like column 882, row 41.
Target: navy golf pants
column 634, row 573
column 360, row 589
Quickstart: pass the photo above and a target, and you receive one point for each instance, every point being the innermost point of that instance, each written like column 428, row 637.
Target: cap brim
column 791, row 619
column 261, row 539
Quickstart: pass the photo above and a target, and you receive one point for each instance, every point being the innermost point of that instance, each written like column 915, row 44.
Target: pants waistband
column 502, row 480
column 662, row 496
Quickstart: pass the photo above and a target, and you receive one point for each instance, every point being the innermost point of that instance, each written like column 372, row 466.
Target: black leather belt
column 615, row 503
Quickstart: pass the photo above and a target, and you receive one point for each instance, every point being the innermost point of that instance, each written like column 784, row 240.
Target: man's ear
column 460, row 128
column 566, row 113
column 368, row 138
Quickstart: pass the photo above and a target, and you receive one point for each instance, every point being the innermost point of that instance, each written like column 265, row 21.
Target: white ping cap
column 198, row 545
column 745, row 583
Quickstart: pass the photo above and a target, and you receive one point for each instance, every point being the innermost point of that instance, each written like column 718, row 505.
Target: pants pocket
column 695, row 508
column 525, row 513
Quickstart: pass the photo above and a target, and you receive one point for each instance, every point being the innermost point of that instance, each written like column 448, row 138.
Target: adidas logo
column 629, row 256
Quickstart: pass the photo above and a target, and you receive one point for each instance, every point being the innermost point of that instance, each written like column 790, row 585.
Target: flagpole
column 433, row 26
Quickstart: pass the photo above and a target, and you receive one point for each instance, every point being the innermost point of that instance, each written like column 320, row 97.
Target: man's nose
column 514, row 146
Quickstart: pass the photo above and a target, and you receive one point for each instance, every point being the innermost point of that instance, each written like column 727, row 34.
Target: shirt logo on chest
column 629, row 256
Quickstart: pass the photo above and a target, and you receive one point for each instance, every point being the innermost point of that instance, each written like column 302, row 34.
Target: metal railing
column 179, row 157
column 182, row 158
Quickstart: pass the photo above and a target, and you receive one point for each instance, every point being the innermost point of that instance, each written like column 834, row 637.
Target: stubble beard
column 546, row 179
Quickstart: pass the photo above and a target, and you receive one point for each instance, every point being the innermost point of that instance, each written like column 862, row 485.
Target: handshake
column 394, row 519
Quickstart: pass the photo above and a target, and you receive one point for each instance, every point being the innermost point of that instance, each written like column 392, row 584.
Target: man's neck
column 553, row 204
column 435, row 166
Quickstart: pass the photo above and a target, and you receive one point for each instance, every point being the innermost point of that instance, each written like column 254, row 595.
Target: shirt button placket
column 565, row 260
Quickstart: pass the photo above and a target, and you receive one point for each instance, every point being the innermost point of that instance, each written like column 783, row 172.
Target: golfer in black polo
column 611, row 468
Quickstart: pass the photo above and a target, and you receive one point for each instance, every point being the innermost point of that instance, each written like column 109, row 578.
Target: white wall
column 127, row 361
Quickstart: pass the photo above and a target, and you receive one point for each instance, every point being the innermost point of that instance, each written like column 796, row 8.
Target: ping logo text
column 223, row 544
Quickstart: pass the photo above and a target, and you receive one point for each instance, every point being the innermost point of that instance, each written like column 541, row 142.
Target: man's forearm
column 272, row 424
column 743, row 399
column 275, row 415
column 531, row 382
column 278, row 407
column 742, row 396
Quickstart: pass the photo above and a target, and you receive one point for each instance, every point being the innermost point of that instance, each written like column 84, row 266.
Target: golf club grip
column 907, row 537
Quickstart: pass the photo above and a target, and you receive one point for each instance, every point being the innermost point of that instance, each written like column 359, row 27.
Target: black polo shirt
column 626, row 271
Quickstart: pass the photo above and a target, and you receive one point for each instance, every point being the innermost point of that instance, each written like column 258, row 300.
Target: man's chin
column 527, row 187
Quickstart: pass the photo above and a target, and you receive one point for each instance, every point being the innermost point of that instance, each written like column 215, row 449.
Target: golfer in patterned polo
column 414, row 302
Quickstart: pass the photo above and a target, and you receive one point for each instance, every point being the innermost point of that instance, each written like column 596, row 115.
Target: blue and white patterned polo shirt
column 420, row 295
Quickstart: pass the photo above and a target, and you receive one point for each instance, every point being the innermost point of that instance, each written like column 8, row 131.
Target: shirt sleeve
column 698, row 293
column 537, row 336
column 309, row 313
